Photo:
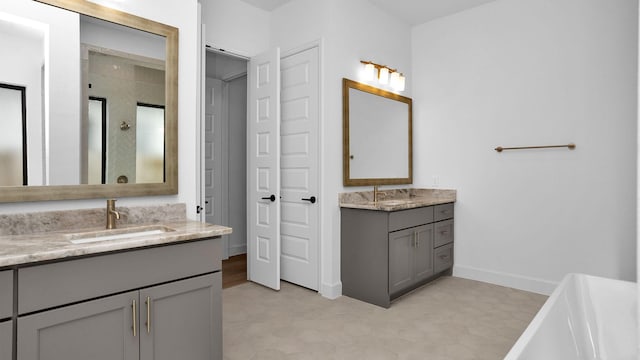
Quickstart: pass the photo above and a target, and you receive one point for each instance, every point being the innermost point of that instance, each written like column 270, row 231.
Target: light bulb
column 394, row 82
column 401, row 83
column 369, row 72
column 383, row 77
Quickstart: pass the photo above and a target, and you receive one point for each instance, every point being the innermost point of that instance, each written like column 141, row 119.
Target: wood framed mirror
column 95, row 63
column 377, row 136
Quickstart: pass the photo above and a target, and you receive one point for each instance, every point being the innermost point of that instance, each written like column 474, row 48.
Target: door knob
column 311, row 199
column 272, row 198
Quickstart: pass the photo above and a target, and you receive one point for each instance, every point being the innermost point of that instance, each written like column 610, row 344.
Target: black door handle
column 311, row 199
column 272, row 198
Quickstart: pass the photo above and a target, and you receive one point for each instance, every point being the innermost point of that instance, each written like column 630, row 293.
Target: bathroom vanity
column 390, row 247
column 155, row 296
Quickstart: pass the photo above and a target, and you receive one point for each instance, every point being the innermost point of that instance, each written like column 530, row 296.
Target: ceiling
column 412, row 12
column 416, row 12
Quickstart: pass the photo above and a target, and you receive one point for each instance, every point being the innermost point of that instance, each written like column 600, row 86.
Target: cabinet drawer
column 443, row 211
column 6, row 339
column 403, row 219
column 6, row 294
column 443, row 233
column 443, row 258
column 60, row 283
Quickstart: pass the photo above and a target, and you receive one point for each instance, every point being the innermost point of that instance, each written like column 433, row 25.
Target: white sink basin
column 115, row 234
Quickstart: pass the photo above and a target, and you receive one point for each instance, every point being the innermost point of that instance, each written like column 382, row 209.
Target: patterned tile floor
column 450, row 318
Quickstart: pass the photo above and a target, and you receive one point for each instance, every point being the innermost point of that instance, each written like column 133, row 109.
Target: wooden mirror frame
column 170, row 186
column 347, row 180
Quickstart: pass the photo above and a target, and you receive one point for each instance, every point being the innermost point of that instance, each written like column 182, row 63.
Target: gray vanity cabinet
column 410, row 257
column 385, row 254
column 147, row 304
column 98, row 330
column 6, row 339
column 6, row 294
column 185, row 320
column 172, row 321
column 6, row 312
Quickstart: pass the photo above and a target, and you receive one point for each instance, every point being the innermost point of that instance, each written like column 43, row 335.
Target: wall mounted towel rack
column 570, row 146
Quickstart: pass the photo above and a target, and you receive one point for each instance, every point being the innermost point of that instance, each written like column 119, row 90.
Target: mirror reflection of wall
column 22, row 64
column 377, row 136
column 47, row 48
column 13, row 157
column 96, row 141
column 378, row 130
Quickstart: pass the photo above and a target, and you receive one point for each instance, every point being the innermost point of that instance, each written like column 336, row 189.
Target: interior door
column 299, row 168
column 263, row 163
column 214, row 184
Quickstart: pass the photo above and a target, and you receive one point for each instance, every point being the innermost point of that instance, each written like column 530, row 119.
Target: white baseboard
column 331, row 291
column 237, row 250
column 525, row 283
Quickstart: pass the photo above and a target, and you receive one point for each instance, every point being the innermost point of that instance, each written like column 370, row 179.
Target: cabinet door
column 6, row 294
column 6, row 339
column 423, row 253
column 182, row 320
column 97, row 330
column 401, row 248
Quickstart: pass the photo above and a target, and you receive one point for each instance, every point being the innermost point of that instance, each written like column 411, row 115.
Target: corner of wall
column 525, row 283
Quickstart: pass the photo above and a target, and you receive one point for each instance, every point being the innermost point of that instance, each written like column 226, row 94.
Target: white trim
column 331, row 291
column 218, row 50
column 525, row 283
column 200, row 135
column 237, row 250
column 301, row 48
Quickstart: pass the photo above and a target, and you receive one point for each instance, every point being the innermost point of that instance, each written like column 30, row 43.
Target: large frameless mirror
column 99, row 102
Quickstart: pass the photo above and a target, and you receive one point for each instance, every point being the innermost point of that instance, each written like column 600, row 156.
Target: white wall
column 532, row 72
column 350, row 31
column 184, row 16
column 236, row 26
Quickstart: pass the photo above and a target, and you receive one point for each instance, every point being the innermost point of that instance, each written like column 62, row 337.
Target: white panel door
column 299, row 168
column 214, row 157
column 263, row 164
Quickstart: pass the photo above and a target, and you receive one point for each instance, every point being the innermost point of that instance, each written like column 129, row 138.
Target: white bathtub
column 585, row 318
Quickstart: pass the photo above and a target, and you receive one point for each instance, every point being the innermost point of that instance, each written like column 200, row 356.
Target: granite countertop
column 396, row 199
column 55, row 245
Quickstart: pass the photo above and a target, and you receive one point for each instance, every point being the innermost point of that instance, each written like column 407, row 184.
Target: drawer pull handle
column 443, row 256
column 417, row 239
column 148, row 323
column 134, row 317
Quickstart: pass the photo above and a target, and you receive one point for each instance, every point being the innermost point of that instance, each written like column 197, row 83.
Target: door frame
column 325, row 290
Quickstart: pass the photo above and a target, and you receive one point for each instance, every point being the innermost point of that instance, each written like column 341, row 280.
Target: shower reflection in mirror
column 13, row 137
column 149, row 142
column 97, row 140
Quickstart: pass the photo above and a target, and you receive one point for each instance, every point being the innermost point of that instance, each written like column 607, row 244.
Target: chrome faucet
column 112, row 214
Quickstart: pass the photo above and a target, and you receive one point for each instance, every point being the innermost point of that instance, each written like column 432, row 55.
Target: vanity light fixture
column 369, row 71
column 386, row 75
